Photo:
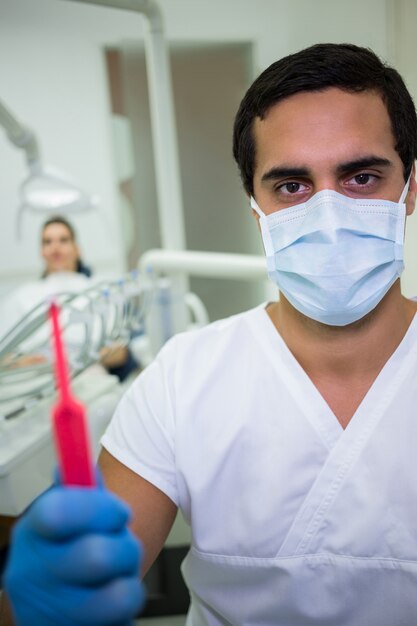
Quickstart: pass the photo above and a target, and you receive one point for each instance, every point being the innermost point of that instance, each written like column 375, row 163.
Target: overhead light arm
column 21, row 136
column 167, row 171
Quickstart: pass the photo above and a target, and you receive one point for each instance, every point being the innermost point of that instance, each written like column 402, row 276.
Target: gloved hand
column 73, row 561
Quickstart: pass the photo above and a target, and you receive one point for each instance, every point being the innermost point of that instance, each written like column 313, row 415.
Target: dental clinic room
column 208, row 289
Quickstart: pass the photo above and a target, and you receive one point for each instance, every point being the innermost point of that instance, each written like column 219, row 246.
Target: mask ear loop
column 266, row 235
column 405, row 191
column 400, row 234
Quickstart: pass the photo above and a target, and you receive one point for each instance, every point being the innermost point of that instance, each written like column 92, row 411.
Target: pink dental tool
column 69, row 420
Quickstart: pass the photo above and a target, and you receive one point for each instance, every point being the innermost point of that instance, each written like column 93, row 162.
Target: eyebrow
column 362, row 163
column 287, row 171
column 284, row 172
column 63, row 238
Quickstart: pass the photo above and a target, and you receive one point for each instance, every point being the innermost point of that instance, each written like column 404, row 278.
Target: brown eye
column 292, row 187
column 362, row 179
column 291, row 192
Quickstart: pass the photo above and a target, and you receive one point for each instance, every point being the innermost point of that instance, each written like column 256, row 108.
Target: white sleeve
column 141, row 434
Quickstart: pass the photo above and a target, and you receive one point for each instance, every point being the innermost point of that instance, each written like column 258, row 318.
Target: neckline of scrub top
column 348, row 444
column 306, row 394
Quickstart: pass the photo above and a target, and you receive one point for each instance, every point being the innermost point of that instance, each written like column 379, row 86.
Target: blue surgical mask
column 334, row 258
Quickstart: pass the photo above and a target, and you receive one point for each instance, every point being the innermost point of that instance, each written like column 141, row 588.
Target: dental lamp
column 45, row 190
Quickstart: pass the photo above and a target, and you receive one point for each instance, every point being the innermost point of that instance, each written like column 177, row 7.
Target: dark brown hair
column 346, row 66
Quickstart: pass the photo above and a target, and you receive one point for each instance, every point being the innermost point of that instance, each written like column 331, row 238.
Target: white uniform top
column 295, row 521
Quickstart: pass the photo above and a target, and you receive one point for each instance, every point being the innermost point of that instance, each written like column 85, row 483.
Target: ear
column 410, row 200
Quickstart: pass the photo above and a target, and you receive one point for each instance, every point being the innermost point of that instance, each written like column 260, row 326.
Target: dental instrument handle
column 69, row 420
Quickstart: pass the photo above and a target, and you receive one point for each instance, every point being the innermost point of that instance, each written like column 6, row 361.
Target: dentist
column 286, row 434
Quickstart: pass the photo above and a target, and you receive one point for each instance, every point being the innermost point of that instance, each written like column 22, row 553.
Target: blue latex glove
column 73, row 561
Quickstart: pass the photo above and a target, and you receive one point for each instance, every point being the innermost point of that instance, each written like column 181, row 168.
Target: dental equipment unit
column 107, row 312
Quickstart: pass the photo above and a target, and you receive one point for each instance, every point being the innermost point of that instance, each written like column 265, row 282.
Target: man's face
column 326, row 140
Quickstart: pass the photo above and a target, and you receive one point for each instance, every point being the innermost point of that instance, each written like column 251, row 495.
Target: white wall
column 52, row 75
column 278, row 26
